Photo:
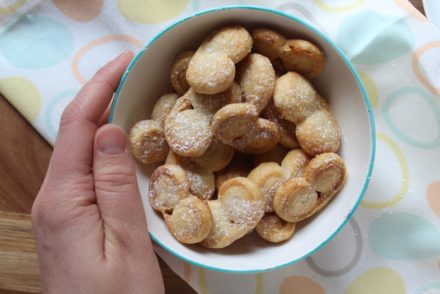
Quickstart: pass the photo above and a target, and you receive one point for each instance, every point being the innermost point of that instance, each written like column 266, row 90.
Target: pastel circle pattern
column 80, row 10
column 431, row 104
column 433, row 197
column 36, row 42
column 300, row 284
column 373, row 38
column 418, row 53
column 54, row 108
column 151, row 11
column 381, row 280
column 403, row 236
column 302, row 12
column 404, row 169
column 14, row 6
column 95, row 43
column 26, row 97
column 339, row 8
column 337, row 272
column 427, row 288
column 202, row 281
column 371, row 88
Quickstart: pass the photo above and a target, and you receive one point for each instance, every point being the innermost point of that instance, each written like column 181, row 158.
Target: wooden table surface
column 24, row 156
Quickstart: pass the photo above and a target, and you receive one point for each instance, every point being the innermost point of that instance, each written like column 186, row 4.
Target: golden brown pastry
column 162, row 107
column 261, row 138
column 287, row 129
column 274, row 229
column 316, row 128
column 233, row 121
column 289, row 55
column 295, row 200
column 212, row 68
column 216, row 158
column 168, row 185
column 268, row 176
column 294, row 97
column 319, row 133
column 178, row 72
column 201, row 181
column 190, row 221
column 147, row 142
column 186, row 130
column 210, row 73
column 210, row 104
column 302, row 56
column 326, row 172
column 237, row 210
column 257, row 80
column 295, row 162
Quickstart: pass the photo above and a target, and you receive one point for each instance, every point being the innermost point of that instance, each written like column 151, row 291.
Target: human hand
column 88, row 219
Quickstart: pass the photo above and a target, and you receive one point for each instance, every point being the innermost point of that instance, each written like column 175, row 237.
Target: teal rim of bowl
column 366, row 100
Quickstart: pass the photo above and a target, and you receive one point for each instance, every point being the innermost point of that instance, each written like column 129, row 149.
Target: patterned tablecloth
column 49, row 49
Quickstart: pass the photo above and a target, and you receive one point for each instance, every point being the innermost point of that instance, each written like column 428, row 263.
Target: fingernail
column 111, row 140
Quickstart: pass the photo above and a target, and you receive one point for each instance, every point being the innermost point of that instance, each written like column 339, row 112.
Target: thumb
column 116, row 187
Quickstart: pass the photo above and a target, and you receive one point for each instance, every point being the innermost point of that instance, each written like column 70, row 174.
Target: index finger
column 73, row 151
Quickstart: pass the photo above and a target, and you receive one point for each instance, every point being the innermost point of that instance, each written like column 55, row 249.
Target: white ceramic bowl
column 147, row 77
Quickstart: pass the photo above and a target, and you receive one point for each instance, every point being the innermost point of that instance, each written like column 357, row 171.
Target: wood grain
column 18, row 266
column 418, row 4
column 24, row 156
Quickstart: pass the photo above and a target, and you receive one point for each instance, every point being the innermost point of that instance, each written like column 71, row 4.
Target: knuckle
column 70, row 114
column 43, row 214
column 111, row 180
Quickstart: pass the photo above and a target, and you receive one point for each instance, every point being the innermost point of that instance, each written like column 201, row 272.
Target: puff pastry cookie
column 147, row 142
column 201, row 181
column 212, row 68
column 287, row 129
column 162, row 107
column 237, row 210
column 294, row 97
column 168, row 185
column 190, row 221
column 261, row 138
column 257, row 80
column 186, row 130
column 178, row 72
column 295, row 200
column 326, row 172
column 274, row 229
column 216, row 158
column 295, row 162
column 268, row 176
column 289, row 55
column 233, row 121
column 319, row 133
column 210, row 104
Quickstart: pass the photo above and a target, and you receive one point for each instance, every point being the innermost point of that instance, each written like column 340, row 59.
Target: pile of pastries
column 245, row 141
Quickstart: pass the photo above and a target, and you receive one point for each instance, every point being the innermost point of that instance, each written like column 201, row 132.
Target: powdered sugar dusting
column 189, row 133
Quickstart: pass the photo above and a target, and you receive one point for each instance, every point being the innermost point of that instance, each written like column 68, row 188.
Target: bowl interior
column 148, row 78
